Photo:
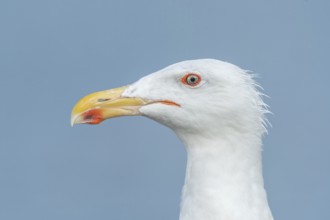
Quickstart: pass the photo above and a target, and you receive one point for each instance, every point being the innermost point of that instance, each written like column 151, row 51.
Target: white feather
column 221, row 122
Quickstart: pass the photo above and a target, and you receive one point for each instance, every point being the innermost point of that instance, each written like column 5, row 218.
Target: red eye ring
column 191, row 79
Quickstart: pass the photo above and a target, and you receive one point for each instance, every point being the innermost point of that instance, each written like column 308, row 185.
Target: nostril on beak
column 103, row 100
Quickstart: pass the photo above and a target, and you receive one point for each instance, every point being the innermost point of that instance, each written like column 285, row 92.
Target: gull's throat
column 223, row 181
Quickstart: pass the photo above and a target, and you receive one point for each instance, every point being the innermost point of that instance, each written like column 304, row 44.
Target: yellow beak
column 98, row 106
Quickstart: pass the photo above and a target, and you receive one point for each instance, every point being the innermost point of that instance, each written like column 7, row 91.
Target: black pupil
column 192, row 79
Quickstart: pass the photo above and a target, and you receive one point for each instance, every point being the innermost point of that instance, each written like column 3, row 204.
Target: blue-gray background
column 54, row 52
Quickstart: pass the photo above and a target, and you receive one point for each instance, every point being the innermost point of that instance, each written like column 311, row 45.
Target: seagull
column 216, row 110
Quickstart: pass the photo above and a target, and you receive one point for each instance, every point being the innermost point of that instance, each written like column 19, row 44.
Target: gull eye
column 191, row 79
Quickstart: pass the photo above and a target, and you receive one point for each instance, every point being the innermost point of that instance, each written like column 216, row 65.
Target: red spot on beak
column 93, row 116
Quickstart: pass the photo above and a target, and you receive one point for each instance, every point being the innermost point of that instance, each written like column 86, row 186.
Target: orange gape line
column 167, row 102
column 93, row 116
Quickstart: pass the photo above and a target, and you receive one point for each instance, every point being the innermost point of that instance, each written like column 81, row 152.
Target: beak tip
column 73, row 120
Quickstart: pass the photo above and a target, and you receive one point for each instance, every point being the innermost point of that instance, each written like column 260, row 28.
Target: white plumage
column 219, row 116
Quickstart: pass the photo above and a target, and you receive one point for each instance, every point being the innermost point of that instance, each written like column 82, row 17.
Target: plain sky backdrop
column 53, row 52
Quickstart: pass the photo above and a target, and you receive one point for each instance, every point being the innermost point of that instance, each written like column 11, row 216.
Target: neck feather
column 223, row 179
